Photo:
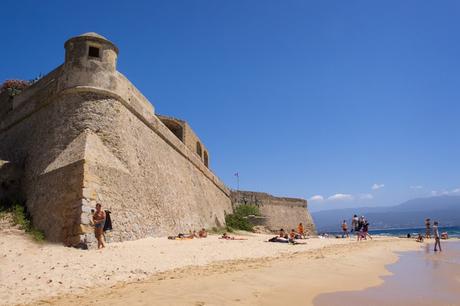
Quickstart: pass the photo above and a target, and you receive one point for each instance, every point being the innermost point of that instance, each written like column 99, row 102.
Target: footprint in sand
column 200, row 303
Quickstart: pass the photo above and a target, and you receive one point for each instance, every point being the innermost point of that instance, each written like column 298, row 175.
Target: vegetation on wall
column 239, row 219
column 14, row 87
column 20, row 217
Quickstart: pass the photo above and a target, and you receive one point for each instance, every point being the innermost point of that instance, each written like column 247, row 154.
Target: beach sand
column 191, row 272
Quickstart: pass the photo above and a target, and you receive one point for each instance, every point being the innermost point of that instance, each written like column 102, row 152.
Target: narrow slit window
column 93, row 52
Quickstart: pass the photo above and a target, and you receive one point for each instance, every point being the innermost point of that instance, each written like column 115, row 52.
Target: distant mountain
column 445, row 209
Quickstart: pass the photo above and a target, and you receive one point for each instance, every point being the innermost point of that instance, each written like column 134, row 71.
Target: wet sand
column 420, row 277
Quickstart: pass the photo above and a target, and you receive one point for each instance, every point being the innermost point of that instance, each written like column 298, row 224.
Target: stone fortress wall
column 184, row 132
column 84, row 134
column 279, row 212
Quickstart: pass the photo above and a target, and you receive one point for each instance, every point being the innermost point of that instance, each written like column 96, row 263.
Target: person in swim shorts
column 99, row 220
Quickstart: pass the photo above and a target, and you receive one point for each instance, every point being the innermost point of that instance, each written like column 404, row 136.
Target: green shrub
column 21, row 218
column 239, row 219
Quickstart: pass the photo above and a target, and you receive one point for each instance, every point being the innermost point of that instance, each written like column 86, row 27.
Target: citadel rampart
column 84, row 134
column 279, row 212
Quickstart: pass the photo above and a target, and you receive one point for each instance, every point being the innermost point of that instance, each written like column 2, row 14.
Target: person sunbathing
column 278, row 239
column 227, row 237
column 282, row 234
column 182, row 236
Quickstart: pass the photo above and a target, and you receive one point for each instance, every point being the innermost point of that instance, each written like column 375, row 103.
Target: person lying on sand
column 282, row 237
column 278, row 239
column 227, row 237
column 181, row 236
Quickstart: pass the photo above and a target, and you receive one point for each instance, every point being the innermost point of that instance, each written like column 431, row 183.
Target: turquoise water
column 420, row 278
column 453, row 231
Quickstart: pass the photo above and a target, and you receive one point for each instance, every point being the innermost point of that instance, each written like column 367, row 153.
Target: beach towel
column 108, row 221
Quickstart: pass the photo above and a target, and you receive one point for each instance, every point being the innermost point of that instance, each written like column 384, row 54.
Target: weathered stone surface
column 10, row 182
column 84, row 134
column 279, row 212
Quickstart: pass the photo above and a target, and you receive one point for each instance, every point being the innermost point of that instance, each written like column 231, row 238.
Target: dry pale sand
column 191, row 272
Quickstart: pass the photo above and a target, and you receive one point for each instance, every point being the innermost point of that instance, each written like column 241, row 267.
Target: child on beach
column 437, row 239
column 419, row 238
column 345, row 229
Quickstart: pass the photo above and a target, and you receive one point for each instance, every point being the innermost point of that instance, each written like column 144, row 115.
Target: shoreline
column 422, row 277
column 56, row 275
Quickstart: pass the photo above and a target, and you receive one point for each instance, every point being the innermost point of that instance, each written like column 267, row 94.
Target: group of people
column 290, row 237
column 100, row 218
column 202, row 233
column 359, row 225
column 436, row 236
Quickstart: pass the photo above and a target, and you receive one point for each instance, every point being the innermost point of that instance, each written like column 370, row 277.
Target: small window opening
column 206, row 159
column 198, row 149
column 93, row 52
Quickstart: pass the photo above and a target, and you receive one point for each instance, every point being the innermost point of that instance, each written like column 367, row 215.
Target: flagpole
column 237, row 174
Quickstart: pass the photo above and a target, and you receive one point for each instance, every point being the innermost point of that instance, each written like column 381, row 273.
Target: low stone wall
column 279, row 212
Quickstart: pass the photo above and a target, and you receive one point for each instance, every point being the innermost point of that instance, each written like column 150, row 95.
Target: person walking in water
column 437, row 239
column 428, row 228
column 345, row 229
column 99, row 220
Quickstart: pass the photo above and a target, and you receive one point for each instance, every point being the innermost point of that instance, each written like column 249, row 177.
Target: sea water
column 452, row 231
column 420, row 278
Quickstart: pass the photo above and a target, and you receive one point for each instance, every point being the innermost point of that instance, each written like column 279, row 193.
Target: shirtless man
column 99, row 220
column 202, row 233
column 300, row 230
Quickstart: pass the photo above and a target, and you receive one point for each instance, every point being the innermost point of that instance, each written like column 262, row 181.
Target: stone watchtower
column 84, row 134
column 90, row 58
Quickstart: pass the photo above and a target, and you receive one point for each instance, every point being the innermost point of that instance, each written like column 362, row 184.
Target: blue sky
column 312, row 99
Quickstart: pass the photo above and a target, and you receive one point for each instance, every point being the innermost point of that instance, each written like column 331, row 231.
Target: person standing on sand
column 428, row 229
column 345, row 229
column 354, row 224
column 99, row 220
column 366, row 229
column 437, row 240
